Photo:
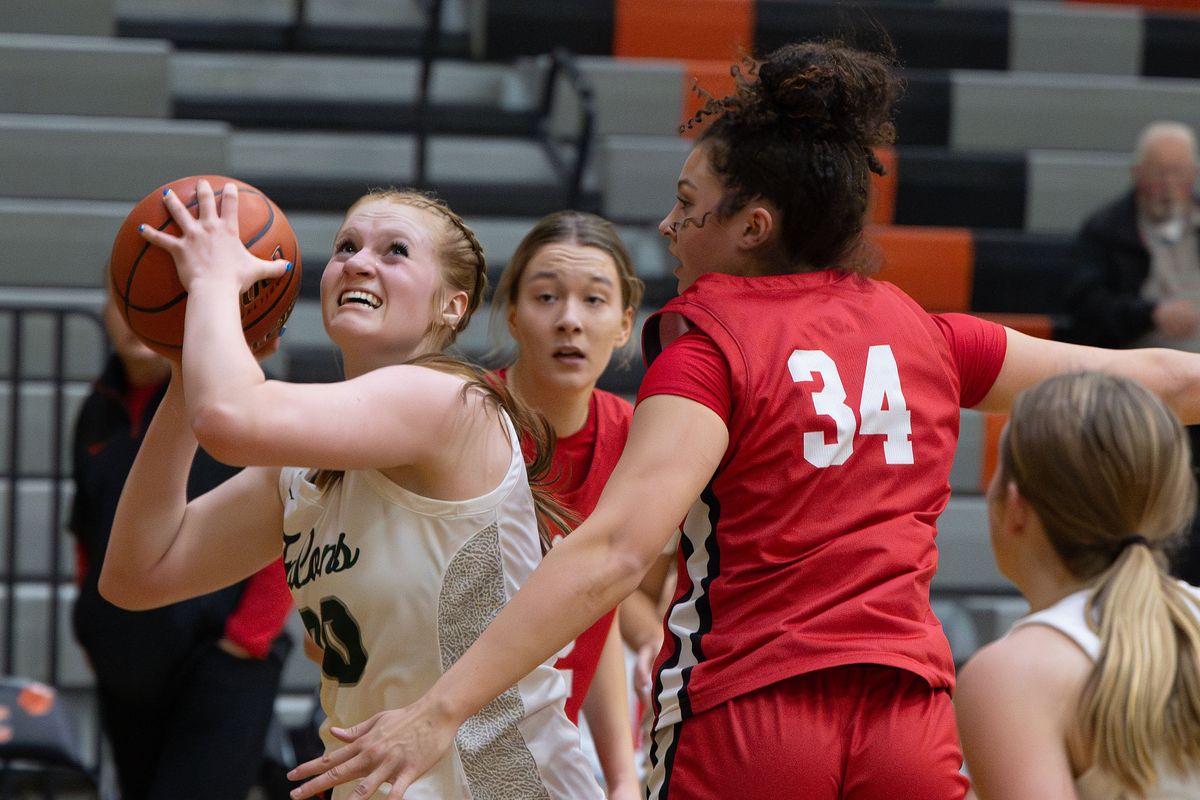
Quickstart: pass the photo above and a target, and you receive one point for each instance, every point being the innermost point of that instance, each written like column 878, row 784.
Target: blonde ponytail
column 1099, row 457
column 1141, row 704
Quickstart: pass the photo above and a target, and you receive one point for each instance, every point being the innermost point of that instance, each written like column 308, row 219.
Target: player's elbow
column 221, row 429
column 620, row 572
column 123, row 590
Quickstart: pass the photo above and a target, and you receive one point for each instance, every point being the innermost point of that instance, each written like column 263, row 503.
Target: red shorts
column 860, row 732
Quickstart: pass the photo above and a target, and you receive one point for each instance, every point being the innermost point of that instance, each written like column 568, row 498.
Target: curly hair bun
column 829, row 91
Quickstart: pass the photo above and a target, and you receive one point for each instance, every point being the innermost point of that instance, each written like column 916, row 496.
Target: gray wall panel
column 103, row 158
column 82, row 235
column 1065, row 187
column 70, row 17
column 83, row 75
column 1048, row 38
column 1013, row 111
column 638, row 174
column 965, row 560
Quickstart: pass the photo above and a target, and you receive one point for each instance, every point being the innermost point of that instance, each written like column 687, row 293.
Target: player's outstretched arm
column 163, row 549
column 606, row 708
column 1171, row 374
column 674, row 446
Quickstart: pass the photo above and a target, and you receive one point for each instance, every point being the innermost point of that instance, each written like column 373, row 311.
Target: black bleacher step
column 476, row 198
column 924, row 35
column 335, row 115
column 1022, row 273
column 529, row 27
column 1169, row 48
column 923, row 111
column 284, row 37
column 938, row 186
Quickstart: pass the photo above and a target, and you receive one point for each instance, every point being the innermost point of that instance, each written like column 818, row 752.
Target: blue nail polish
column 141, row 228
column 288, row 268
column 166, row 191
column 282, row 331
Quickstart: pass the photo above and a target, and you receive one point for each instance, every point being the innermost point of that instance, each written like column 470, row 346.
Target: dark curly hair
column 798, row 132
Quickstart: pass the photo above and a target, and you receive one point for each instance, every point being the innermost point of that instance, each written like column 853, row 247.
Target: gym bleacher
column 1018, row 119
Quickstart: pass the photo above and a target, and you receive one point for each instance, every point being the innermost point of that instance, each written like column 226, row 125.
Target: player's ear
column 454, row 308
column 757, row 226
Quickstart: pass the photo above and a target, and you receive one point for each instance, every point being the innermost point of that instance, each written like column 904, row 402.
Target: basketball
column 147, row 289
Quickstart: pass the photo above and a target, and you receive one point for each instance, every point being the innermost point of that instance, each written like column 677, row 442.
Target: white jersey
column 1067, row 617
column 395, row 587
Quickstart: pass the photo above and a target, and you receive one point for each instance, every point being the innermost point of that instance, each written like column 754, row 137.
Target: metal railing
column 52, row 371
column 569, row 172
column 562, row 62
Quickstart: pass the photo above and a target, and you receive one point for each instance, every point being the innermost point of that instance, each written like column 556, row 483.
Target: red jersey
column 813, row 544
column 580, row 467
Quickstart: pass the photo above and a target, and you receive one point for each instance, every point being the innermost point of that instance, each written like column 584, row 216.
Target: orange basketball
column 147, row 289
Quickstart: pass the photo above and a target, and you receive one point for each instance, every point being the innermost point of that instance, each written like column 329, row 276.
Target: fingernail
column 141, row 228
column 166, row 191
column 282, row 331
column 288, row 268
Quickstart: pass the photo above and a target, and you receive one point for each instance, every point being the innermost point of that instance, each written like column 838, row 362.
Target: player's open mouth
column 360, row 297
column 569, row 354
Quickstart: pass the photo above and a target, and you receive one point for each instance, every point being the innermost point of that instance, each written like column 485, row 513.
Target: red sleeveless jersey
column 813, row 544
column 581, row 465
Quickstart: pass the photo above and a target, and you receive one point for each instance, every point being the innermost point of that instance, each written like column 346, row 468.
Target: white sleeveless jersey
column 395, row 586
column 1067, row 617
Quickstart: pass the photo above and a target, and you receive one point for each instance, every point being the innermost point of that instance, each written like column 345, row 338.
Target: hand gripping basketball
column 204, row 228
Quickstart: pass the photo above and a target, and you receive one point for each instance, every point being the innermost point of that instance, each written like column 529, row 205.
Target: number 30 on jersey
column 882, row 408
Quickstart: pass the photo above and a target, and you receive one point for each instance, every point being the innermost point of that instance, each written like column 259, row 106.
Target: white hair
column 1162, row 130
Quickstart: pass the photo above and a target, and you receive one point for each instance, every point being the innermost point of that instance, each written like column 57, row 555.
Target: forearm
column 220, row 369
column 153, row 502
column 1173, row 375
column 640, row 621
column 642, row 612
column 606, row 708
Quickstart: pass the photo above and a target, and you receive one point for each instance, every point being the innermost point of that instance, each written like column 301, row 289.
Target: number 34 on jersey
column 882, row 408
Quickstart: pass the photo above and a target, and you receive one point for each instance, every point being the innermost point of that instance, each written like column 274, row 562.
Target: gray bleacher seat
column 638, row 174
column 1018, row 110
column 82, row 233
column 37, row 424
column 85, row 343
column 631, row 95
column 1064, row 187
column 1053, row 37
column 967, row 468
column 306, row 77
column 370, row 12
column 965, row 560
column 36, row 527
column 32, row 635
column 263, row 11
column 380, row 159
column 78, row 75
column 67, row 17
column 103, row 158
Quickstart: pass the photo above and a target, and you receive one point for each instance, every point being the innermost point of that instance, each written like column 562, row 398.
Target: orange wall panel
column 713, row 77
column 935, row 266
column 881, row 204
column 993, row 426
column 703, row 29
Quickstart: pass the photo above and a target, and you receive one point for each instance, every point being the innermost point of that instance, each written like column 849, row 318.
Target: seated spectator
column 1138, row 280
column 186, row 692
column 1094, row 694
